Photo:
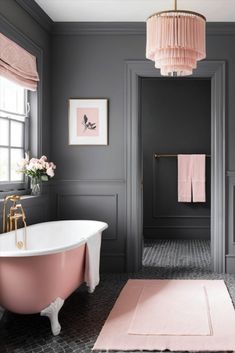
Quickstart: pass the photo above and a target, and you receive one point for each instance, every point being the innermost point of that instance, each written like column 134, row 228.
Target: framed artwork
column 88, row 121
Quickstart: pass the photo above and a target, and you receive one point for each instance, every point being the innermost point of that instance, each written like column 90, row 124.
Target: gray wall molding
column 64, row 181
column 176, row 233
column 107, row 235
column 230, row 263
column 206, row 69
column 98, row 28
column 231, row 221
column 128, row 28
column 179, row 216
column 37, row 13
column 230, row 173
column 177, row 227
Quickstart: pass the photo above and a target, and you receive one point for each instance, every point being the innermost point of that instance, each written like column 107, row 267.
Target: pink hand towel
column 184, row 177
column 199, row 177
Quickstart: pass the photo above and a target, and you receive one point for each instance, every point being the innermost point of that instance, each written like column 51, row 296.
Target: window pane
column 4, row 132
column 12, row 97
column 16, row 156
column 4, row 160
column 17, row 134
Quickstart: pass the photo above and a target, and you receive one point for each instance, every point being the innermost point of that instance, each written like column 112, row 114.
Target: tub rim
column 54, row 250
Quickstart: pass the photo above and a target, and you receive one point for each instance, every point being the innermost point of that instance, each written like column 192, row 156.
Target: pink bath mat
column 178, row 315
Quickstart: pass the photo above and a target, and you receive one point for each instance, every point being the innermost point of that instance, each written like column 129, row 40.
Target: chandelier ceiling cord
column 176, row 41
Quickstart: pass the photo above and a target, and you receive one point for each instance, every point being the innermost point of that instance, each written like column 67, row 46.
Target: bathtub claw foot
column 90, row 290
column 52, row 312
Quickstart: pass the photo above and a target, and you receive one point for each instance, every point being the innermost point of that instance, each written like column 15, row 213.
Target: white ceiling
column 132, row 10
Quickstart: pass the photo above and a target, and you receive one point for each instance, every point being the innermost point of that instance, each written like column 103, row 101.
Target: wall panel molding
column 231, row 215
column 64, row 181
column 230, row 263
column 180, row 216
column 99, row 28
column 215, row 70
column 176, row 227
column 128, row 28
column 37, row 13
column 230, row 173
column 112, row 232
column 232, row 209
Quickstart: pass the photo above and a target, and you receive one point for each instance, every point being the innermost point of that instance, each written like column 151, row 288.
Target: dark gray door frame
column 215, row 70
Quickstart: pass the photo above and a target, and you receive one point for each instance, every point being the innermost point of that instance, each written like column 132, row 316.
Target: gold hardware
column 175, row 5
column 20, row 244
column 172, row 155
column 179, row 12
column 10, row 220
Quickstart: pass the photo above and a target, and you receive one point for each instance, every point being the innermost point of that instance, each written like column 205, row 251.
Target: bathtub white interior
column 50, row 237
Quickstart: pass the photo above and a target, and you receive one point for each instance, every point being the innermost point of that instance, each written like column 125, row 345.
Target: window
column 13, row 127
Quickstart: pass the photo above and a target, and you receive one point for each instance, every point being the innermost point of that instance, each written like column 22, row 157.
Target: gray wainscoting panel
column 92, row 207
column 101, row 200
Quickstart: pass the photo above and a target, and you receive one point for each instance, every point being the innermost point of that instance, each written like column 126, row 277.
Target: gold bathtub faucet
column 10, row 220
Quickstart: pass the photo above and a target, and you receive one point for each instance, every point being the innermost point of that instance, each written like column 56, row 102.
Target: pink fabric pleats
column 184, row 178
column 17, row 64
column 176, row 41
column 191, row 178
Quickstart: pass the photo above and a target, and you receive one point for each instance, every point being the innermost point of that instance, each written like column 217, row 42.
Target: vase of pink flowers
column 37, row 170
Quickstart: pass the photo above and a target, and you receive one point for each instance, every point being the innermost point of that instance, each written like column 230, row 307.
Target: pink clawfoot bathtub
column 58, row 258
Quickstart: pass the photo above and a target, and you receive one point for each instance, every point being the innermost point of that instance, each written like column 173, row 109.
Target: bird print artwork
column 87, row 124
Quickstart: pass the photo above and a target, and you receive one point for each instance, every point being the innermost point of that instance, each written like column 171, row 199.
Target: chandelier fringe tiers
column 176, row 41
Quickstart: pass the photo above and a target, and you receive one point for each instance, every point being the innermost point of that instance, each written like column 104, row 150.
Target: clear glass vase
column 36, row 186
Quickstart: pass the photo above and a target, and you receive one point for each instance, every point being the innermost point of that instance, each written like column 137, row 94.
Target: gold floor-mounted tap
column 10, row 220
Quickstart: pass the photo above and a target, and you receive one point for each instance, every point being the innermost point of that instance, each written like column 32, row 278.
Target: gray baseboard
column 230, row 263
column 177, row 233
column 112, row 263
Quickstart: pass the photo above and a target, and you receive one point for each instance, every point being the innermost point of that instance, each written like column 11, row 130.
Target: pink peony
column 52, row 165
column 35, row 167
column 43, row 158
column 50, row 172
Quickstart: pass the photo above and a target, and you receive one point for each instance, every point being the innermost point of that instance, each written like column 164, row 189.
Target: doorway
column 175, row 117
column 215, row 71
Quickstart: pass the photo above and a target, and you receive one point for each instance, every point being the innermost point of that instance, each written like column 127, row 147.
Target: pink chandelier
column 176, row 41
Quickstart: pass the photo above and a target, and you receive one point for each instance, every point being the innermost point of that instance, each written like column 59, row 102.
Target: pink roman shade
column 17, row 64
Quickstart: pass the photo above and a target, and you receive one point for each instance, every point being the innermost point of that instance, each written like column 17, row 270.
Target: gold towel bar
column 156, row 155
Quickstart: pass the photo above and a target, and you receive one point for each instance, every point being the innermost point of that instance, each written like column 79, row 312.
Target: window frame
column 14, row 185
column 35, row 98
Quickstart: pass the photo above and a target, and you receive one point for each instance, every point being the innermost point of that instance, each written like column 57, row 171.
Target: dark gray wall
column 175, row 118
column 19, row 25
column 89, row 61
column 91, row 179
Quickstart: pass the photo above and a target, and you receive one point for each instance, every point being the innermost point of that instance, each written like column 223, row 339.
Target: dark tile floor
column 83, row 314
